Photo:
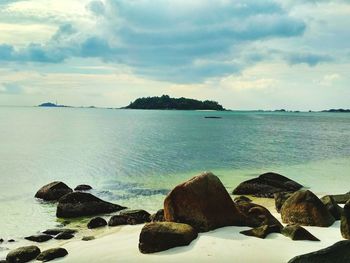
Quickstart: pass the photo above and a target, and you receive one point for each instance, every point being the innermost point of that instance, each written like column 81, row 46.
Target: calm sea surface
column 134, row 157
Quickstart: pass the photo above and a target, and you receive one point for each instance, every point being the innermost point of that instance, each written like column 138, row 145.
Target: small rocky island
column 52, row 105
column 167, row 103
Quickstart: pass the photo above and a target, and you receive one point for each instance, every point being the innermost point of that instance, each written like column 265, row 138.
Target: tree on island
column 166, row 103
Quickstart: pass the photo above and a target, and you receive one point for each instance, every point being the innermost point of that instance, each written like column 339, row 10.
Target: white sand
column 120, row 244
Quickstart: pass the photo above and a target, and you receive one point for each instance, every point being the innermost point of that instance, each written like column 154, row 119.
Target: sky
column 256, row 54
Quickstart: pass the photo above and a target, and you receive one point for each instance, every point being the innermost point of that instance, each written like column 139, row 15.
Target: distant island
column 50, row 104
column 167, row 103
column 337, row 110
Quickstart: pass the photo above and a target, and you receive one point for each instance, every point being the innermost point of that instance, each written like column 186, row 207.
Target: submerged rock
column 203, row 203
column 136, row 216
column 52, row 254
column 332, row 206
column 56, row 231
column 266, row 185
column 23, row 254
column 64, row 236
column 96, row 222
column 39, row 238
column 304, row 208
column 88, row 238
column 158, row 216
column 345, row 221
column 337, row 253
column 280, row 198
column 159, row 236
column 296, row 232
column 53, row 191
column 83, row 187
column 262, row 231
column 78, row 204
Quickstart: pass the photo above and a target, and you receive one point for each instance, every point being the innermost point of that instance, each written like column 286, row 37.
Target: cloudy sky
column 256, row 54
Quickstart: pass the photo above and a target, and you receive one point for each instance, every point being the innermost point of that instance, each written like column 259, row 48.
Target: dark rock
column 257, row 215
column 39, row 238
column 53, row 191
column 11, row 240
column 88, row 238
column 51, row 254
column 83, row 187
column 332, row 206
column 118, row 220
column 64, row 236
column 159, row 236
column 266, row 185
column 262, row 231
column 96, row 222
column 158, row 216
column 23, row 254
column 203, row 203
column 136, row 216
column 56, row 231
column 296, row 232
column 78, row 204
column 341, row 199
column 1, row 240
column 3, row 261
column 337, row 253
column 242, row 198
column 305, row 208
column 345, row 221
column 280, row 198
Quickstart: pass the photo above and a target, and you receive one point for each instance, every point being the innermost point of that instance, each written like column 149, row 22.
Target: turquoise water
column 134, row 157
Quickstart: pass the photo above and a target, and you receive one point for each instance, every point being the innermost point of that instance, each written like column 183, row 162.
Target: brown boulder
column 262, row 231
column 345, row 221
column 305, row 208
column 53, row 191
column 203, row 203
column 159, row 236
column 280, row 198
column 266, row 185
column 332, row 206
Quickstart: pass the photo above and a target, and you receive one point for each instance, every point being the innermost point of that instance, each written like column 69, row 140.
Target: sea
column 135, row 157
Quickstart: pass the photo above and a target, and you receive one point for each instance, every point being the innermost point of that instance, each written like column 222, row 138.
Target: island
column 337, row 110
column 50, row 104
column 167, row 103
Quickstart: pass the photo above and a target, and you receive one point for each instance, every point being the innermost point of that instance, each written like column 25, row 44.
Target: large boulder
column 345, row 221
column 23, row 254
column 203, row 203
column 296, row 232
column 266, row 185
column 118, row 220
column 305, row 208
column 53, row 191
column 337, row 253
column 262, row 231
column 78, row 204
column 52, row 254
column 332, row 206
column 135, row 217
column 96, row 222
column 159, row 236
column 280, row 198
column 257, row 215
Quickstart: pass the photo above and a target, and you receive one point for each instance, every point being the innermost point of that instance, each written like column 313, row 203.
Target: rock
column 96, row 222
column 11, row 240
column 64, row 236
column 296, row 232
column 257, row 215
column 83, row 187
column 337, row 253
column 23, row 254
column 118, row 220
column 345, row 221
column 159, row 236
column 53, row 191
column 332, row 206
column 78, row 204
column 51, row 254
column 158, row 216
column 1, row 240
column 266, row 185
column 56, row 231
column 280, row 198
column 341, row 199
column 203, row 203
column 39, row 238
column 304, row 208
column 242, row 198
column 88, row 238
column 136, row 216
column 262, row 231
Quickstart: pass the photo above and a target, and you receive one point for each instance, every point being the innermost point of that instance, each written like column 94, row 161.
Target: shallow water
column 135, row 157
